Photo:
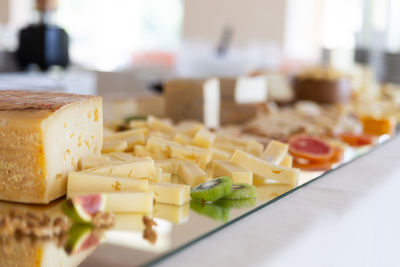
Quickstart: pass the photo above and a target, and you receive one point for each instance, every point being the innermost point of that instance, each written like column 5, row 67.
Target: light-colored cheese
column 174, row 194
column 287, row 161
column 114, row 146
column 94, row 160
column 81, row 182
column 230, row 148
column 191, row 174
column 126, row 134
column 139, row 139
column 159, row 125
column 128, row 221
column 194, row 100
column 204, row 138
column 189, row 128
column 176, row 180
column 172, row 213
column 43, row 136
column 183, row 139
column 254, row 147
column 160, row 146
column 219, row 154
column 138, row 168
column 122, row 156
column 166, row 177
column 237, row 174
column 265, row 169
column 196, row 154
column 270, row 191
column 130, row 202
column 158, row 175
column 275, row 152
column 141, row 151
column 134, row 124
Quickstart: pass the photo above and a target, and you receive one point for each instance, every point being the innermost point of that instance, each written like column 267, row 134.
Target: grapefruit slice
column 312, row 166
column 310, row 148
column 82, row 208
column 357, row 140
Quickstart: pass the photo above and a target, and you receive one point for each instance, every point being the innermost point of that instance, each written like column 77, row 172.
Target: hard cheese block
column 265, row 169
column 43, row 136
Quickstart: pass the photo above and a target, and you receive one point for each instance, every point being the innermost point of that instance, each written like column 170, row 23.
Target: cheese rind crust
column 43, row 135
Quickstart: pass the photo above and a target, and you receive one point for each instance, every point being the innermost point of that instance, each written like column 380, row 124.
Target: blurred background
column 141, row 43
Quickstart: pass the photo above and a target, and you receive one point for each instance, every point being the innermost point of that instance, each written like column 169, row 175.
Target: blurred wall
column 261, row 20
column 4, row 11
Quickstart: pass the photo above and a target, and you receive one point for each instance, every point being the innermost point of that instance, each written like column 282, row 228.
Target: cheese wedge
column 81, row 182
column 138, row 168
column 129, row 202
column 275, row 152
column 204, row 138
column 174, row 194
column 43, row 136
column 172, row 213
column 191, row 174
column 265, row 169
column 237, row 174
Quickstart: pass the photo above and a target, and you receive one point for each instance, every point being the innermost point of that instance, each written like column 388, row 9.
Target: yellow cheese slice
column 265, row 169
column 130, row 202
column 254, row 147
column 141, row 151
column 166, row 165
column 275, row 152
column 114, row 146
column 189, row 128
column 182, row 139
column 81, row 182
column 122, row 156
column 166, row 177
column 126, row 134
column 192, row 153
column 204, row 138
column 172, row 213
column 93, row 160
column 138, row 168
column 159, row 125
column 287, row 161
column 219, row 154
column 237, row 173
column 174, row 194
column 158, row 175
column 191, row 174
column 139, row 139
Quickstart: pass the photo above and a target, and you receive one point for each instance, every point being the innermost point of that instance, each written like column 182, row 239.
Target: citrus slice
column 357, row 140
column 310, row 148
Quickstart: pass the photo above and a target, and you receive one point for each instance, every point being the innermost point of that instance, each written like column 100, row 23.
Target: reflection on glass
column 210, row 210
column 174, row 214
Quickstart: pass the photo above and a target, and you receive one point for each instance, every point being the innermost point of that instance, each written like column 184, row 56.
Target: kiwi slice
column 241, row 190
column 212, row 211
column 236, row 203
column 213, row 189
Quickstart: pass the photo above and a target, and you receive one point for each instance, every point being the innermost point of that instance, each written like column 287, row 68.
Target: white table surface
column 350, row 217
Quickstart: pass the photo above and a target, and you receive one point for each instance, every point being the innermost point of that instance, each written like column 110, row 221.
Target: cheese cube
column 254, row 147
column 165, row 165
column 159, row 125
column 287, row 161
column 230, row 140
column 166, row 177
column 122, row 156
column 172, row 213
column 80, row 182
column 237, row 174
column 134, row 124
column 94, row 160
column 126, row 134
column 138, row 168
column 174, row 194
column 130, row 202
column 204, row 138
column 265, row 169
column 158, row 175
column 219, row 154
column 275, row 152
column 182, row 139
column 230, row 148
column 176, row 180
column 196, row 154
column 43, row 136
column 141, row 151
column 191, row 174
column 139, row 139
column 159, row 145
column 189, row 128
column 193, row 99
column 114, row 146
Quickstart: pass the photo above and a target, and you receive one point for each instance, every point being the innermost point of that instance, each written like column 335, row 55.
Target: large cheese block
column 193, row 99
column 43, row 136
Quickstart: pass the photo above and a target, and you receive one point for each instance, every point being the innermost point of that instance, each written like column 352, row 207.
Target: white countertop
column 349, row 217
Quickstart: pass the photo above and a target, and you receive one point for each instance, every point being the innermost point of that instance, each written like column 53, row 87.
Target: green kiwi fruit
column 212, row 211
column 212, row 190
column 236, row 203
column 241, row 190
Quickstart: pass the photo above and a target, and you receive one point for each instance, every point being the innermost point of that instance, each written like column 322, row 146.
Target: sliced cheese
column 174, row 194
column 95, row 160
column 182, row 139
column 237, row 173
column 254, row 147
column 126, row 134
column 81, row 182
column 192, row 153
column 159, row 125
column 275, row 152
column 189, row 128
column 172, row 213
column 114, row 146
column 141, row 151
column 166, row 177
column 122, row 156
column 191, row 174
column 219, row 154
column 138, row 168
column 139, row 139
column 265, row 169
column 130, row 202
column 43, row 136
column 204, row 138
column 287, row 161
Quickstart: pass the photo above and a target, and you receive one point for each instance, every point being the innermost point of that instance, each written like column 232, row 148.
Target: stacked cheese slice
column 156, row 160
